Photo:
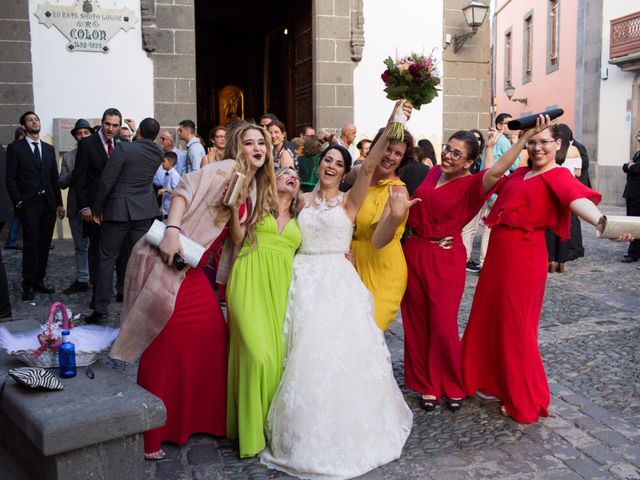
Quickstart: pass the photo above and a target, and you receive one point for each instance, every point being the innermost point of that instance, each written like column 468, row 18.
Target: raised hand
column 542, row 123
column 399, row 203
column 492, row 138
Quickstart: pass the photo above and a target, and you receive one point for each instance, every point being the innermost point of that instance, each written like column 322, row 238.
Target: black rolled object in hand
column 529, row 121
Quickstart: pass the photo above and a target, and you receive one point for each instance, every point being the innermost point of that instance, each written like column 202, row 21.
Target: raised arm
column 360, row 187
column 495, row 173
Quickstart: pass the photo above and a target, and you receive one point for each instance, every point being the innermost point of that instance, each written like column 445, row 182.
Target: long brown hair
column 265, row 180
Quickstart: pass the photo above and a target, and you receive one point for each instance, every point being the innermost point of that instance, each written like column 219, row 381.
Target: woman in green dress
column 257, row 298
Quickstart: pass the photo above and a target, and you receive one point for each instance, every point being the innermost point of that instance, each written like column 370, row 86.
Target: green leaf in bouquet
column 390, row 64
column 397, row 90
column 407, row 77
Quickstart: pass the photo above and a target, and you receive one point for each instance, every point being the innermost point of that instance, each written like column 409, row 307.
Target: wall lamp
column 474, row 14
column 509, row 90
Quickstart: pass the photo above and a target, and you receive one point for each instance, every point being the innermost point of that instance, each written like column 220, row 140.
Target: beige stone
column 344, row 95
column 332, row 27
column 185, row 91
column 325, row 50
column 325, row 95
column 333, row 117
column 333, row 73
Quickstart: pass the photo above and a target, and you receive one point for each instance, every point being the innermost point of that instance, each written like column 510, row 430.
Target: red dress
column 500, row 355
column 435, row 284
column 186, row 364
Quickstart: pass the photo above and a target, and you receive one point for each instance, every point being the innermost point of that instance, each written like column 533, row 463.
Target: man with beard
column 32, row 181
column 93, row 154
column 81, row 130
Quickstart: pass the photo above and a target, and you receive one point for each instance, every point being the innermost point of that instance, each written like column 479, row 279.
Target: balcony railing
column 625, row 36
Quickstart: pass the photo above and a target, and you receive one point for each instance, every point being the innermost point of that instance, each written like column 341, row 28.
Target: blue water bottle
column 67, row 356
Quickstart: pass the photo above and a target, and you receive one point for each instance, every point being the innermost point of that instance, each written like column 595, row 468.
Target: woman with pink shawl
column 172, row 318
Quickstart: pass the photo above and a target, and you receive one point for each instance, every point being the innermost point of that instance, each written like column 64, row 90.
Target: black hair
column 172, row 156
column 19, row 133
column 470, row 141
column 502, row 117
column 303, row 130
column 427, row 148
column 149, row 128
column 111, row 112
column 346, row 156
column 364, row 140
column 270, row 116
column 481, row 139
column 24, row 116
column 564, row 133
column 189, row 124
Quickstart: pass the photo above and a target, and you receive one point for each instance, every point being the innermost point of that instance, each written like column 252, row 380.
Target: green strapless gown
column 257, row 298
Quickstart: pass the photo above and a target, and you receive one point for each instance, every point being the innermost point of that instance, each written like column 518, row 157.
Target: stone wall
column 16, row 77
column 588, row 65
column 332, row 63
column 169, row 37
column 466, row 79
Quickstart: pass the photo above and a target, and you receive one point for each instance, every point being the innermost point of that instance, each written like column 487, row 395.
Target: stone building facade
column 169, row 33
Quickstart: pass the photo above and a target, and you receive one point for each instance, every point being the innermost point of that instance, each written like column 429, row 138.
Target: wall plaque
column 85, row 24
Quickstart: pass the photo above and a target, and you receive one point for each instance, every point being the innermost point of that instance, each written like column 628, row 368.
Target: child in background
column 169, row 182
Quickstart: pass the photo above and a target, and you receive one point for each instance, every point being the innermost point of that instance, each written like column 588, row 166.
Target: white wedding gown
column 338, row 412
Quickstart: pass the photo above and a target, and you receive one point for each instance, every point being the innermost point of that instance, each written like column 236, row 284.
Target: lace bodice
column 325, row 228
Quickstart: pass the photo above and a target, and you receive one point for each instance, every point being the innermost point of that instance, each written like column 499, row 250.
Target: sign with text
column 87, row 26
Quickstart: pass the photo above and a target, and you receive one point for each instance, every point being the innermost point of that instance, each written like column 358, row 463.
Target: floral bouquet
column 413, row 78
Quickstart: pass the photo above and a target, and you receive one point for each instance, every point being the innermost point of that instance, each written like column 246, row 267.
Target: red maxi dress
column 186, row 364
column 500, row 355
column 435, row 284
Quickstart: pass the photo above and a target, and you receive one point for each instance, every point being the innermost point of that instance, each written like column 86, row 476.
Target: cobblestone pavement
column 589, row 334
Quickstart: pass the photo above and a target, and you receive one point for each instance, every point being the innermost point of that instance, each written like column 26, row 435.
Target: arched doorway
column 262, row 51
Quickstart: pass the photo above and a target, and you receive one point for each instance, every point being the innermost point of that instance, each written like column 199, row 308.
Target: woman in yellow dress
column 376, row 239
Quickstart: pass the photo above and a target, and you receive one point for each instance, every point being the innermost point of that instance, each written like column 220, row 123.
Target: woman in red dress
column 173, row 318
column 500, row 355
column 436, row 260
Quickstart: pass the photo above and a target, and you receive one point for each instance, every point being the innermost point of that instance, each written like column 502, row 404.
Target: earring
column 295, row 202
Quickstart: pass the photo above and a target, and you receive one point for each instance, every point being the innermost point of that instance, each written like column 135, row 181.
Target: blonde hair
column 264, row 178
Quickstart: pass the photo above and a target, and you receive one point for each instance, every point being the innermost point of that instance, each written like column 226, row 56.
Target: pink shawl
column 150, row 285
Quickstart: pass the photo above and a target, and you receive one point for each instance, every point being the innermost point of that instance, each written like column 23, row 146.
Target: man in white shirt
column 195, row 150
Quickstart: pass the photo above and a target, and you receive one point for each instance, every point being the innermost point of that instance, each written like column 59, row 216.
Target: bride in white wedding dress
column 338, row 412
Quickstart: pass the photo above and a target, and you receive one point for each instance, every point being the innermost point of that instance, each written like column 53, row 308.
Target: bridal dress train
column 338, row 412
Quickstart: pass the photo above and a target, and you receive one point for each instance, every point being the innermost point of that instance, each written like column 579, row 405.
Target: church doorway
column 254, row 57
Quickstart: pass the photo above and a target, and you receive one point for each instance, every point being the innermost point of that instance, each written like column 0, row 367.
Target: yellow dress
column 384, row 270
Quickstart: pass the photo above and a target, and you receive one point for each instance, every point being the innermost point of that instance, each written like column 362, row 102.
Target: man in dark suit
column 125, row 204
column 632, row 196
column 32, row 181
column 93, row 154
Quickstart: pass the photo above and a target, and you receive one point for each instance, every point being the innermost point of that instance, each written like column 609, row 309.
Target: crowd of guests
column 299, row 372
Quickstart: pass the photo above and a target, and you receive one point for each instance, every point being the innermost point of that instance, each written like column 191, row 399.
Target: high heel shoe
column 428, row 404
column 552, row 267
column 560, row 267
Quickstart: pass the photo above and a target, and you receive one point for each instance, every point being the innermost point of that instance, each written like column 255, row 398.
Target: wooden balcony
column 624, row 44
